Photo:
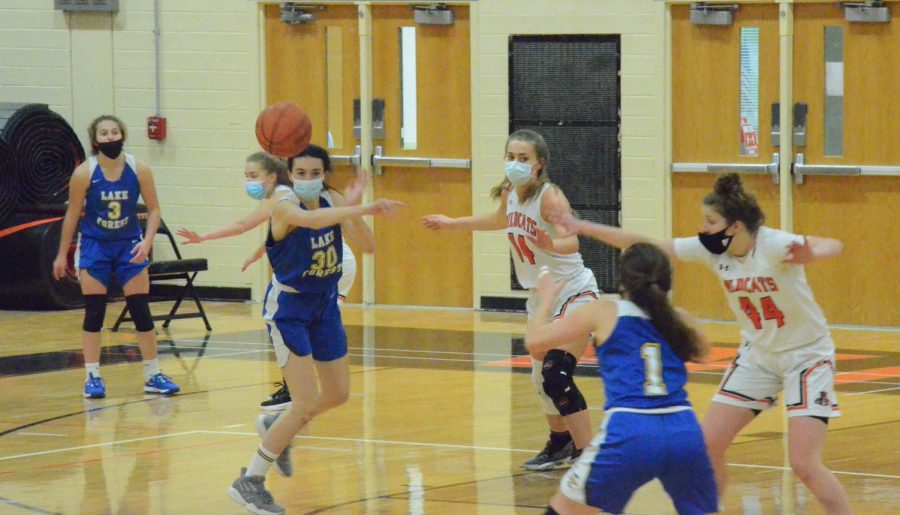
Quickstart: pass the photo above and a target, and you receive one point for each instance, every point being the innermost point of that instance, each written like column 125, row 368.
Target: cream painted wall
column 87, row 64
column 644, row 178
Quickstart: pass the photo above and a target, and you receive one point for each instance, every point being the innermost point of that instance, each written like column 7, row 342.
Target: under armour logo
column 723, row 267
column 823, row 399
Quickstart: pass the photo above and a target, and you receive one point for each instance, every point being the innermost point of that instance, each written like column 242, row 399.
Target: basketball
column 283, row 129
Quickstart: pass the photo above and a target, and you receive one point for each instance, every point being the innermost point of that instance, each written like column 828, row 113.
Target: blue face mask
column 517, row 172
column 255, row 189
column 308, row 190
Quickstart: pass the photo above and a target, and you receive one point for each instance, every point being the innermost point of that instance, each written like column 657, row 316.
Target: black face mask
column 716, row 242
column 111, row 149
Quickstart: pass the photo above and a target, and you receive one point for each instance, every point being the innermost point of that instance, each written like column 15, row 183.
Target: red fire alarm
column 156, row 127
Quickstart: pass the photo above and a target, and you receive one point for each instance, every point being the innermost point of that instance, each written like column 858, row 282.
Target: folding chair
column 177, row 269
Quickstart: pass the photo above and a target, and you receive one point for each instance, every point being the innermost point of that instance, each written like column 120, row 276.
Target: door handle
column 347, row 160
column 770, row 169
column 380, row 160
column 800, row 169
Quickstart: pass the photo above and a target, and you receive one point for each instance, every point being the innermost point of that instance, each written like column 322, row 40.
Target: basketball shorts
column 806, row 375
column 303, row 324
column 631, row 449
column 108, row 259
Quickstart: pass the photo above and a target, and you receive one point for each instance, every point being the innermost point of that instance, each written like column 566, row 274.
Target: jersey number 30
column 653, row 381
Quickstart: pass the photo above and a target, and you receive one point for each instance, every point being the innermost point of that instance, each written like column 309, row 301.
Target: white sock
column 261, row 462
column 151, row 368
column 91, row 369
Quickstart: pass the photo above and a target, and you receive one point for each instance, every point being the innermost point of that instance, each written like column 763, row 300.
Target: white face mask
column 308, row 190
column 517, row 172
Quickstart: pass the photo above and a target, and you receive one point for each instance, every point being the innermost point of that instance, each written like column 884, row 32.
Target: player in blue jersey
column 111, row 248
column 650, row 430
column 304, row 246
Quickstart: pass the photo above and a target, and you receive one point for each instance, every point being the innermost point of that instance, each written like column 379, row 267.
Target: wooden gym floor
column 441, row 415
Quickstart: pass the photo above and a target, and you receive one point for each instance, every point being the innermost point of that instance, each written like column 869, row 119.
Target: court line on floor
column 33, row 509
column 380, row 442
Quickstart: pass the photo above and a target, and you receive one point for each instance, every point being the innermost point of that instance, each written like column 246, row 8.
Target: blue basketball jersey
column 110, row 208
column 639, row 369
column 308, row 260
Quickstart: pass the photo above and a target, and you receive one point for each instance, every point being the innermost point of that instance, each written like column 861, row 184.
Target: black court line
column 26, row 507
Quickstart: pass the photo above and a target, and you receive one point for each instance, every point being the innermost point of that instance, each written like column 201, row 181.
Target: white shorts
column 575, row 294
column 348, row 274
column 755, row 377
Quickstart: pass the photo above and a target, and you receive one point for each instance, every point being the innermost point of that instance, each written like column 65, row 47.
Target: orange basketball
column 283, row 129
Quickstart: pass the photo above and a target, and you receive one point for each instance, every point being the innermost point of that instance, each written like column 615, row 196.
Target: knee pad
column 140, row 312
column 538, row 380
column 559, row 384
column 94, row 312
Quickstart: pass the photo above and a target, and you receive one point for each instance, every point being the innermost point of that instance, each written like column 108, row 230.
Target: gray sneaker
column 548, row 459
column 282, row 463
column 250, row 492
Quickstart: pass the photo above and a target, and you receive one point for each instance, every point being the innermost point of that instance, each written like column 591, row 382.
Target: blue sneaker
column 94, row 387
column 162, row 384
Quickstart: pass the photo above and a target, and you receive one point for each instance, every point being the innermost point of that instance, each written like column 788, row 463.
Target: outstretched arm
column 486, row 222
column 254, row 219
column 812, row 249
column 613, row 236
column 292, row 214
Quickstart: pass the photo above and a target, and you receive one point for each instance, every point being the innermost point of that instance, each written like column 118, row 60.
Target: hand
column 565, row 224
column 60, row 264
column 141, row 252
column 385, row 207
column 548, row 287
column 189, row 236
column 799, row 254
column 436, row 222
column 542, row 240
column 353, row 193
column 250, row 260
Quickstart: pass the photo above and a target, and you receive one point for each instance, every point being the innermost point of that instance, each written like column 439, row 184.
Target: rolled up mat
column 47, row 152
column 28, row 246
column 9, row 185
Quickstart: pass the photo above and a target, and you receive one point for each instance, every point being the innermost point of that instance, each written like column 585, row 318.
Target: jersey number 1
column 521, row 249
column 770, row 311
column 653, row 381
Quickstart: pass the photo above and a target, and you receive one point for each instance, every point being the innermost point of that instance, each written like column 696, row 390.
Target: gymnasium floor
column 440, row 417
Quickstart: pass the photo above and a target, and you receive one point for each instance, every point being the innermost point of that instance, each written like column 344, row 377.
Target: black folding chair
column 178, row 269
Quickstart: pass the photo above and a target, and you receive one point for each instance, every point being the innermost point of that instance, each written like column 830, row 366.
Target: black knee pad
column 559, row 383
column 140, row 312
column 94, row 312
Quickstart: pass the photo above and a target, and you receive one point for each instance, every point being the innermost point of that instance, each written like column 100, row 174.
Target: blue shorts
column 631, row 449
column 105, row 259
column 304, row 323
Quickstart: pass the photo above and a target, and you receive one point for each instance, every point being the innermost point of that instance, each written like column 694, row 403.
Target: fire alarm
column 156, row 127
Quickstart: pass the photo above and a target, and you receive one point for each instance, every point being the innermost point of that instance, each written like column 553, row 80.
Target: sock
column 151, row 368
column 559, row 440
column 261, row 462
column 91, row 369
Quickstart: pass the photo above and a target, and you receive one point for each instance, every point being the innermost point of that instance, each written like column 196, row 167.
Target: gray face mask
column 517, row 172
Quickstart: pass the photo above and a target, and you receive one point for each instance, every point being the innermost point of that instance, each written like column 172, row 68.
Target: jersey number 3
column 770, row 311
column 653, row 381
column 521, row 249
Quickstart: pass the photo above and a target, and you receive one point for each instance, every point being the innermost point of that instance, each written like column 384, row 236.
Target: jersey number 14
column 521, row 249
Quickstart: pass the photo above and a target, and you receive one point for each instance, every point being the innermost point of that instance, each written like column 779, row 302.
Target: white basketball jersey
column 772, row 300
column 521, row 222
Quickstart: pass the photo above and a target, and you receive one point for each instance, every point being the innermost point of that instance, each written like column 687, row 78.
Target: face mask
column 308, row 190
column 255, row 189
column 517, row 172
column 716, row 242
column 111, row 149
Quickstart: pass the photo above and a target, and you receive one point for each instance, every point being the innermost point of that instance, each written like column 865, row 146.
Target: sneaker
column 94, row 387
column 162, row 384
column 250, row 492
column 282, row 463
column 548, row 459
column 279, row 401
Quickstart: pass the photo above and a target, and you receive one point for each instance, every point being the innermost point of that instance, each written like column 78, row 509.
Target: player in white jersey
column 308, row 170
column 786, row 343
column 525, row 197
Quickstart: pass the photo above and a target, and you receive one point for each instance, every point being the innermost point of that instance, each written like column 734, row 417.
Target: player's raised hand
column 542, row 240
column 566, row 224
column 190, row 237
column 353, row 193
column 799, row 253
column 436, row 222
column 384, row 206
